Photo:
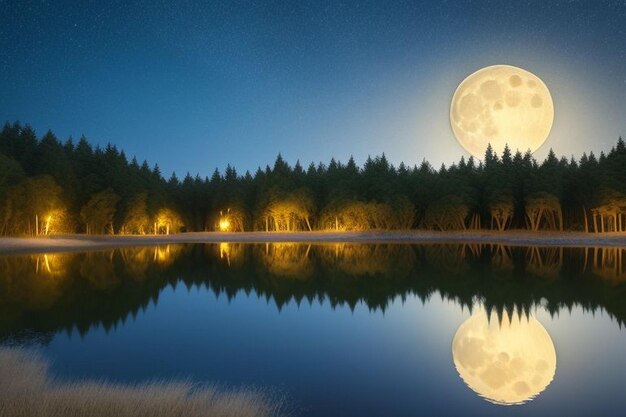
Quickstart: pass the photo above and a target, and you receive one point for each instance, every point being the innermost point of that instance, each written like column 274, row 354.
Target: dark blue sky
column 193, row 86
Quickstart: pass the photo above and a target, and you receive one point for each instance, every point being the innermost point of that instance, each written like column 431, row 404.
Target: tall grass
column 27, row 389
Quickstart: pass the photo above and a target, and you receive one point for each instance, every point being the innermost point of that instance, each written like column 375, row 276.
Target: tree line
column 48, row 186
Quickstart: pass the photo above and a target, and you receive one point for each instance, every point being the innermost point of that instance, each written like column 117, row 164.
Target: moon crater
column 507, row 362
column 501, row 105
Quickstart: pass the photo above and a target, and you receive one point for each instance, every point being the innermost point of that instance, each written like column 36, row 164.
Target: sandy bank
column 514, row 238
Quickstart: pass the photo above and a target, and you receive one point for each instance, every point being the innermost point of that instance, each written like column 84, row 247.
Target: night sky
column 192, row 86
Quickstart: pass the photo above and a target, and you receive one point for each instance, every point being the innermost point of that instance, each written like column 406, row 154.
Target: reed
column 27, row 389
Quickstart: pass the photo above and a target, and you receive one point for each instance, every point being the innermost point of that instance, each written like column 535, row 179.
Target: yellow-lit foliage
column 352, row 215
column 231, row 220
column 355, row 215
column 54, row 222
column 168, row 221
column 136, row 220
column 289, row 213
column 34, row 207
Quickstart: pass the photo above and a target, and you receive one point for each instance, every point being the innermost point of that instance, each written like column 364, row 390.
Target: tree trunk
column 586, row 221
column 601, row 224
column 538, row 223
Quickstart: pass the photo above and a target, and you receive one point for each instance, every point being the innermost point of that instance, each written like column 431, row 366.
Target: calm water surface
column 369, row 330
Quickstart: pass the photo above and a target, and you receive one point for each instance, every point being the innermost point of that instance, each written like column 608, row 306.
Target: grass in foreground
column 27, row 389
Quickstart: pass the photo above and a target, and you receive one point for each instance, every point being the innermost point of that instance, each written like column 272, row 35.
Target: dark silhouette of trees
column 87, row 189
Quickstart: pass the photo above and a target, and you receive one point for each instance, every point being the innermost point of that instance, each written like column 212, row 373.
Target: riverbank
column 69, row 243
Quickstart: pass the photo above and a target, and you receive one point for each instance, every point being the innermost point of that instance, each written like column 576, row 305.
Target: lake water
column 340, row 329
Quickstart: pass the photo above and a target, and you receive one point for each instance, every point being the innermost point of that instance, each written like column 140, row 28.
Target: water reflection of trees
column 289, row 260
column 360, row 260
column 545, row 262
column 48, row 293
column 45, row 293
column 608, row 263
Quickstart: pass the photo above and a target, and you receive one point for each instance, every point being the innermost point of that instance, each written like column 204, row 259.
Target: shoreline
column 79, row 243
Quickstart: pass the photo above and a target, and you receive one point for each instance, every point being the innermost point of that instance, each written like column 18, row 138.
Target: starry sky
column 195, row 85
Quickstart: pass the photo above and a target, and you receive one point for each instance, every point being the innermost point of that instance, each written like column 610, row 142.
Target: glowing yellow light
column 224, row 224
column 50, row 264
column 48, row 220
column 162, row 254
column 225, row 251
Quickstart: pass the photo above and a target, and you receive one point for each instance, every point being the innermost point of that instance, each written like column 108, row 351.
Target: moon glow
column 505, row 363
column 501, row 104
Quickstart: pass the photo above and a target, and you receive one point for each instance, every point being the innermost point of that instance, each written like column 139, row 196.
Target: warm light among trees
column 290, row 212
column 34, row 207
column 224, row 225
column 49, row 187
column 136, row 221
column 167, row 221
column 231, row 220
column 352, row 215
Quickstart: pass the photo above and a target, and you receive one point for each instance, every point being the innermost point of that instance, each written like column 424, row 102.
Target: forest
column 49, row 186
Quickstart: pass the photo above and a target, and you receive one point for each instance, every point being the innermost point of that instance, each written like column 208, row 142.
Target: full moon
column 505, row 363
column 500, row 105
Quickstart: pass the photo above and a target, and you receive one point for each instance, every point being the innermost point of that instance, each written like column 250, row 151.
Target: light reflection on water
column 342, row 328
